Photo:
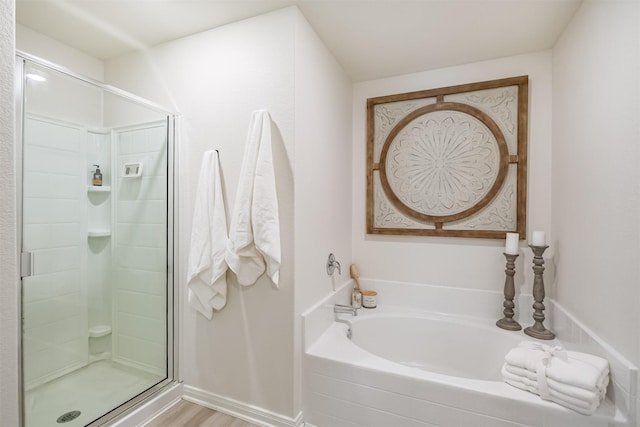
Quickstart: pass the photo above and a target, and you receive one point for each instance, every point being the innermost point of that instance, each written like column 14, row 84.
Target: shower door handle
column 26, row 264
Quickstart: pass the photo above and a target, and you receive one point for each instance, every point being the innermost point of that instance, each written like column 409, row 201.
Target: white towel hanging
column 206, row 278
column 254, row 236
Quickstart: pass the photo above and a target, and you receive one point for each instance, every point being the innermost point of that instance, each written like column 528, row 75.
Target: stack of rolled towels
column 575, row 380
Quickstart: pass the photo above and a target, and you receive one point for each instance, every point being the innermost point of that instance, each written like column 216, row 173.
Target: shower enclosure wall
column 97, row 286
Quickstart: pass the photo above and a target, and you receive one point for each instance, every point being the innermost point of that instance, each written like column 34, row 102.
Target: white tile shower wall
column 139, row 305
column 99, row 153
column 54, row 300
column 99, row 261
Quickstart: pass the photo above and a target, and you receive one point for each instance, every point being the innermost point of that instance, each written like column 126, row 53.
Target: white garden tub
column 438, row 344
column 412, row 368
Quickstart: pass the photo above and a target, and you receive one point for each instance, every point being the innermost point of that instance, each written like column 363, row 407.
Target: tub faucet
column 339, row 308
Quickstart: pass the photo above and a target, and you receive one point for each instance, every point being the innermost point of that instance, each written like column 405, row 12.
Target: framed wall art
column 450, row 161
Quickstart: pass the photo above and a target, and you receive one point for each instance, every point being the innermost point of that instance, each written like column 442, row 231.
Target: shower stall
column 97, row 252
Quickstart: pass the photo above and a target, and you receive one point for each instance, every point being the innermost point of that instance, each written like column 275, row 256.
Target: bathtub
column 426, row 341
column 407, row 367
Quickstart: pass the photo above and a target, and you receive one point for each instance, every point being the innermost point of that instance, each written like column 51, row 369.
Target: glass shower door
column 95, row 235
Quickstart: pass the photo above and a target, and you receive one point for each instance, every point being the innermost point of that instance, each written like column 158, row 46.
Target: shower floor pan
column 92, row 390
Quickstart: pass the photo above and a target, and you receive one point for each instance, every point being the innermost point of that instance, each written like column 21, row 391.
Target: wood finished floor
column 187, row 414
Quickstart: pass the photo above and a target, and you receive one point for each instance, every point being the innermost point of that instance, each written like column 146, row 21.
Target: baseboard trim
column 253, row 414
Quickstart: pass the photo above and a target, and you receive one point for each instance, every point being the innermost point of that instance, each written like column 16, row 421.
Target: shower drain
column 69, row 416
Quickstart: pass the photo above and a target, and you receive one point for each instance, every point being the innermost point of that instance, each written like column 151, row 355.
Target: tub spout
column 339, row 308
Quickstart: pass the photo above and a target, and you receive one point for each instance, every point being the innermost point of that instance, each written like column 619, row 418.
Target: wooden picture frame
column 450, row 161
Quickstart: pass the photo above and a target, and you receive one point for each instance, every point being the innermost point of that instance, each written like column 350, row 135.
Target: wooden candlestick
column 538, row 330
column 507, row 321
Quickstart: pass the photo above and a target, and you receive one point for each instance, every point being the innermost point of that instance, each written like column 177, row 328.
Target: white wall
column 215, row 79
column 596, row 173
column 9, row 327
column 37, row 44
column 322, row 167
column 457, row 262
column 322, row 173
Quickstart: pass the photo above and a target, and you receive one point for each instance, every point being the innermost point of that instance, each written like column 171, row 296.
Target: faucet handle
column 332, row 264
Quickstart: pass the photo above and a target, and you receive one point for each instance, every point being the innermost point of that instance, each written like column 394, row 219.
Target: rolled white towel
column 566, row 367
column 578, row 405
column 582, row 398
column 566, row 389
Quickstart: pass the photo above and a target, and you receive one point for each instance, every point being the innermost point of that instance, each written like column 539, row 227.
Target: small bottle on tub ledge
column 356, row 298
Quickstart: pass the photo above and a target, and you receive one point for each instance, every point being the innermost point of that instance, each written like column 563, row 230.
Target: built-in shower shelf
column 99, row 233
column 99, row 331
column 99, row 189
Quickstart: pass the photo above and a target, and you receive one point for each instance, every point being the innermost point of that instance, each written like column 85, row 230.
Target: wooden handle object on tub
column 355, row 275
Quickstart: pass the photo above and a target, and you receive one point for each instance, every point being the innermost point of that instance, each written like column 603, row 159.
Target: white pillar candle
column 537, row 238
column 511, row 245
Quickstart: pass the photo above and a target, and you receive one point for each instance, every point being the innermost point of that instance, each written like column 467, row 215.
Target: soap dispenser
column 97, row 176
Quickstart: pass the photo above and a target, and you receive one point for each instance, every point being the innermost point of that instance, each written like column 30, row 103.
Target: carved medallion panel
column 449, row 161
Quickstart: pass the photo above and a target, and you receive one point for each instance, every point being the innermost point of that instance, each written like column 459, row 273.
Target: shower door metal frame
column 19, row 144
column 172, row 118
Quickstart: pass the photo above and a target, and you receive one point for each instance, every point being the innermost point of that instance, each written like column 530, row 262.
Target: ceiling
column 370, row 38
